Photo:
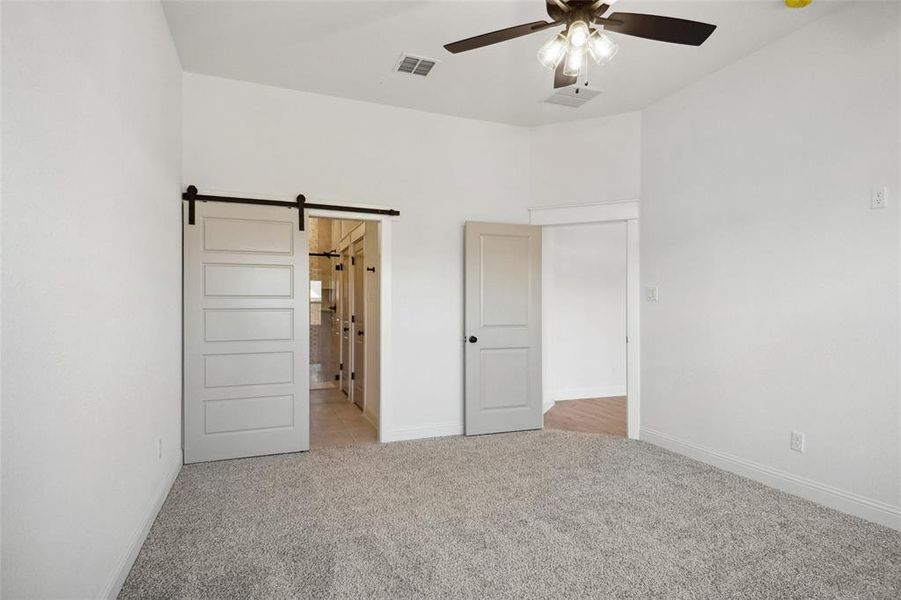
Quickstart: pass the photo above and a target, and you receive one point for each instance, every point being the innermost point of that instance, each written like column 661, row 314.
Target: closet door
column 373, row 326
column 246, row 328
column 346, row 303
column 334, row 325
column 358, row 377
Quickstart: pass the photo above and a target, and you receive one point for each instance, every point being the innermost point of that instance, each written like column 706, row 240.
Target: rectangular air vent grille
column 414, row 65
column 572, row 96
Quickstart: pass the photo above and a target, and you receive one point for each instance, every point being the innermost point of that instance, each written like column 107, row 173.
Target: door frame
column 384, row 274
column 608, row 212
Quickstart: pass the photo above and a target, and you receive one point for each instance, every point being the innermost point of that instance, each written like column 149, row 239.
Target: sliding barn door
column 246, row 380
column 503, row 328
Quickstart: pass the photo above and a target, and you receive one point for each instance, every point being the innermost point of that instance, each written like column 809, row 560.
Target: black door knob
column 473, row 339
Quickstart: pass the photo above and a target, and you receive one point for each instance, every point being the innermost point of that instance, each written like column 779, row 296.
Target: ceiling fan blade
column 561, row 80
column 654, row 27
column 502, row 35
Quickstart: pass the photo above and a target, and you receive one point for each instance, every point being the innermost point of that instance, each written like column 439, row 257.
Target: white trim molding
column 821, row 493
column 372, row 419
column 567, row 214
column 117, row 577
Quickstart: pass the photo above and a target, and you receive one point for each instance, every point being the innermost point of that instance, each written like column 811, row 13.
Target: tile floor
column 335, row 421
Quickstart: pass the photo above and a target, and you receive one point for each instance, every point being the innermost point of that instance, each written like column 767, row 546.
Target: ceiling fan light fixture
column 552, row 52
column 577, row 34
column 601, row 47
column 567, row 54
column 575, row 60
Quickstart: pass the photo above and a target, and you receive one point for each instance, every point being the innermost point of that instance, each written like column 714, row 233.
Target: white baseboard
column 821, row 493
column 371, row 419
column 398, row 434
column 590, row 392
column 547, row 406
column 117, row 578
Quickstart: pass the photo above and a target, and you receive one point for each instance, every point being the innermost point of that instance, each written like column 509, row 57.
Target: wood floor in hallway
column 595, row 415
column 336, row 421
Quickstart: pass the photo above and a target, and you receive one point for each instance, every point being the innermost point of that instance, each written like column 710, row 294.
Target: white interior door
column 334, row 316
column 503, row 328
column 246, row 346
column 358, row 326
column 344, row 280
column 372, row 339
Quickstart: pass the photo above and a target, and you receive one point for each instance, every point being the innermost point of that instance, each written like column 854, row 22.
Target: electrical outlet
column 159, row 449
column 879, row 198
column 797, row 441
column 650, row 294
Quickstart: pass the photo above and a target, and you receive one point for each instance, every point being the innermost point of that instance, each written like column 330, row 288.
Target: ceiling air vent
column 572, row 96
column 414, row 65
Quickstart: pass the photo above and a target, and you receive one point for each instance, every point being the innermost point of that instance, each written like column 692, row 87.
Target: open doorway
column 608, row 405
column 585, row 327
column 628, row 214
column 344, row 328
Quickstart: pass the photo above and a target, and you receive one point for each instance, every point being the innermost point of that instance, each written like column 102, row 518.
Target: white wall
column 439, row 171
column 895, row 197
column 91, row 290
column 779, row 287
column 584, row 311
column 582, row 162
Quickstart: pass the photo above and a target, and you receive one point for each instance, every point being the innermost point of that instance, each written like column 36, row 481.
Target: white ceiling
column 349, row 48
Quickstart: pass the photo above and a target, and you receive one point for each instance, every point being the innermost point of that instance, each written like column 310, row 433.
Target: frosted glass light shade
column 601, row 47
column 575, row 60
column 552, row 52
column 578, row 34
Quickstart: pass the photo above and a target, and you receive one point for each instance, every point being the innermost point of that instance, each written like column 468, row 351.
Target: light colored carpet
column 528, row 515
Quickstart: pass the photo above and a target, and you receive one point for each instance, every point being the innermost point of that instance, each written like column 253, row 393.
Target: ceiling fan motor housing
column 580, row 10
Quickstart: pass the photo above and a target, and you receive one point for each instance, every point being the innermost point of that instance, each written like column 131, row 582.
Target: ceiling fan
column 567, row 52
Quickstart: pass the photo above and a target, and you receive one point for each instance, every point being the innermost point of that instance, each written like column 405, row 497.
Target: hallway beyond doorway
column 335, row 421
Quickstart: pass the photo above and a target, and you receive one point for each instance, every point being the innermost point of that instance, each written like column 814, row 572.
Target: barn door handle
column 473, row 339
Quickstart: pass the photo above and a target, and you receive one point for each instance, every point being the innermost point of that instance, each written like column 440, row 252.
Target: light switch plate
column 650, row 294
column 879, row 198
column 797, row 441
